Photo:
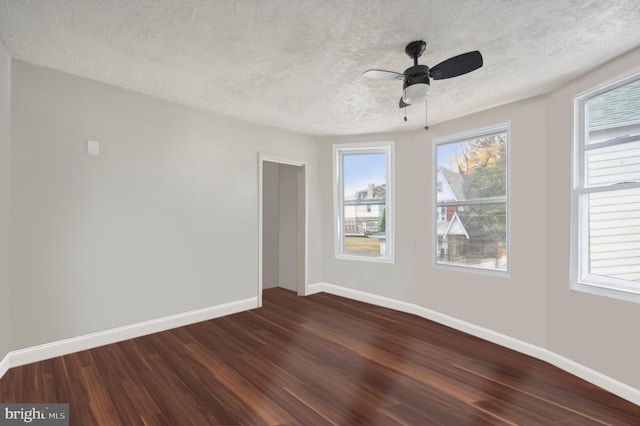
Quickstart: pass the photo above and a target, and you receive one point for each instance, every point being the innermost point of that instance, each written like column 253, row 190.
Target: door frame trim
column 303, row 220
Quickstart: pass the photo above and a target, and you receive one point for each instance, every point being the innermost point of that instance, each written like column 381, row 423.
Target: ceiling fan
column 416, row 78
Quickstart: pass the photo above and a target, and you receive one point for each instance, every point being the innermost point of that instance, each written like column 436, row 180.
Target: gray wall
column 288, row 227
column 280, row 226
column 271, row 225
column 534, row 304
column 5, row 170
column 164, row 221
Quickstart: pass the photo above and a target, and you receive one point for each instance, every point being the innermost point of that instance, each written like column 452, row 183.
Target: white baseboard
column 315, row 288
column 592, row 376
column 93, row 340
column 4, row 365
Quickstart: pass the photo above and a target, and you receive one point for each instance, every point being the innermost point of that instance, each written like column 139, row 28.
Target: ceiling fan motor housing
column 415, row 75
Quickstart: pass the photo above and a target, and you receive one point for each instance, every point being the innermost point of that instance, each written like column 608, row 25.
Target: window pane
column 614, row 234
column 472, row 169
column 614, row 113
column 474, row 236
column 613, row 164
column 364, row 177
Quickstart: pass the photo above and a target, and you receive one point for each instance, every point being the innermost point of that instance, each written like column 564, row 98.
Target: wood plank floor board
column 128, row 409
column 518, row 415
column 208, row 394
column 324, row 404
column 139, row 396
column 586, row 399
column 101, row 401
column 79, row 413
column 163, row 384
column 579, row 422
column 235, row 406
column 330, row 360
column 316, row 360
column 406, row 415
column 444, row 409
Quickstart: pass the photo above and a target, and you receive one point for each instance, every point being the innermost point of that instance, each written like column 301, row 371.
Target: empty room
column 415, row 212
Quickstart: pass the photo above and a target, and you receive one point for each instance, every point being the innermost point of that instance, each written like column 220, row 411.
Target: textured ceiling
column 297, row 64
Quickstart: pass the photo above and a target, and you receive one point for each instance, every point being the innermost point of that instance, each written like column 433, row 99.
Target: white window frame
column 462, row 137
column 387, row 148
column 580, row 279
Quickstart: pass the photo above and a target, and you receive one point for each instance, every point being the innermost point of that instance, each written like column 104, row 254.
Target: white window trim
column 578, row 280
column 461, row 137
column 386, row 147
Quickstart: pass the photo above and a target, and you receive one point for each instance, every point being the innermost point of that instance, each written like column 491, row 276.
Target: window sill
column 607, row 291
column 364, row 258
column 472, row 270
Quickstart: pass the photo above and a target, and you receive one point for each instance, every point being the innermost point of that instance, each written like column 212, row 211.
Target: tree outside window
column 471, row 190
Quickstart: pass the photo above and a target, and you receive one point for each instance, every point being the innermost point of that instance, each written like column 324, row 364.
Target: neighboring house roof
column 455, row 227
column 354, row 197
column 456, row 182
column 616, row 107
column 459, row 183
column 373, row 192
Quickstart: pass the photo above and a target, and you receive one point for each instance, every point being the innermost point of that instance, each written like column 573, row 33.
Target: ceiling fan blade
column 457, row 65
column 403, row 104
column 383, row 75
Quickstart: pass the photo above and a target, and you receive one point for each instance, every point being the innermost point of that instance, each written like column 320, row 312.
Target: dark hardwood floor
column 313, row 360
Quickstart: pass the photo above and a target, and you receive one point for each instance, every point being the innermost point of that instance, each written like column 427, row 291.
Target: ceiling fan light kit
column 415, row 79
column 415, row 93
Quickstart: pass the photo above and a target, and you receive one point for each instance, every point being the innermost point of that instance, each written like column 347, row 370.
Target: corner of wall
column 5, row 176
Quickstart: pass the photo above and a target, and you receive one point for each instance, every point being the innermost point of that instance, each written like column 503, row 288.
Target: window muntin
column 471, row 187
column 606, row 190
column 364, row 201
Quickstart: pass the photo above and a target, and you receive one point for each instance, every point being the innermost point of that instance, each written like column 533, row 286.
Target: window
column 605, row 205
column 363, row 192
column 471, row 200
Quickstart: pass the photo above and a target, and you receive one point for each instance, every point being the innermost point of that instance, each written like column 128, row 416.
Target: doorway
column 283, row 223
